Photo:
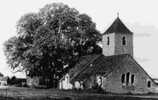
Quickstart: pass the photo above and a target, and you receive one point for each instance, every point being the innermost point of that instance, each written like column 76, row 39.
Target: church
column 115, row 70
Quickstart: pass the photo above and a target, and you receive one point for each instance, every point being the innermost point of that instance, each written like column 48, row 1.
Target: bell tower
column 117, row 39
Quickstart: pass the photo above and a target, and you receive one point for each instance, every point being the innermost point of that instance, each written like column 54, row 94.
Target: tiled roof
column 82, row 65
column 118, row 27
column 95, row 64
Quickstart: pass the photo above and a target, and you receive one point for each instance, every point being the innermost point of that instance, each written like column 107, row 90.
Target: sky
column 140, row 16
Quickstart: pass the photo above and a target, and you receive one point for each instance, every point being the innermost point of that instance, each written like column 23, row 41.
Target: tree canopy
column 50, row 42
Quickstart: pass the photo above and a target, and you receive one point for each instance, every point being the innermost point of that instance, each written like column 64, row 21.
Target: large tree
column 50, row 42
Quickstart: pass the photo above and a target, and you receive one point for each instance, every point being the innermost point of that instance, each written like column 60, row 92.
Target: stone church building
column 115, row 70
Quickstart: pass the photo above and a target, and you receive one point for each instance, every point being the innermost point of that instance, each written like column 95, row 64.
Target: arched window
column 124, row 40
column 108, row 41
column 127, row 78
column 149, row 84
column 132, row 79
column 123, row 78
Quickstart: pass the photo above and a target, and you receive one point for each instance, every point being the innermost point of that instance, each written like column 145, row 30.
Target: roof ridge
column 142, row 69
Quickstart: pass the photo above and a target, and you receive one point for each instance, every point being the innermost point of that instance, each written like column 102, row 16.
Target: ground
column 16, row 93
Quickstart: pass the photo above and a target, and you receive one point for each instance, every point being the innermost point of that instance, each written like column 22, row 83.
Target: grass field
column 16, row 93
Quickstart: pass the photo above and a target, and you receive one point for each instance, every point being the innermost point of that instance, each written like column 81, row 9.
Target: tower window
column 108, row 40
column 124, row 41
column 132, row 79
column 123, row 78
column 127, row 78
column 149, row 84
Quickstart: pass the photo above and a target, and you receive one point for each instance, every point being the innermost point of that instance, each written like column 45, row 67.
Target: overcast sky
column 140, row 16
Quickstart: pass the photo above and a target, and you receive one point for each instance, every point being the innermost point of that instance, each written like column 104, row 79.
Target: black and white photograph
column 78, row 50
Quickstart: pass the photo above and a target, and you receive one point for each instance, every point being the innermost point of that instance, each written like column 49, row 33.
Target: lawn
column 17, row 93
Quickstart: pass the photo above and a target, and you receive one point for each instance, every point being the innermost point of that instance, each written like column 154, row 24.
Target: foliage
column 50, row 42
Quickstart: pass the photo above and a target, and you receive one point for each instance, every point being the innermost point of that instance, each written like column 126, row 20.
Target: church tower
column 117, row 39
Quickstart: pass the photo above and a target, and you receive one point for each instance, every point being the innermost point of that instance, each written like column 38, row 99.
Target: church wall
column 123, row 49
column 115, row 46
column 85, row 83
column 64, row 83
column 113, row 83
column 90, row 82
column 108, row 50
